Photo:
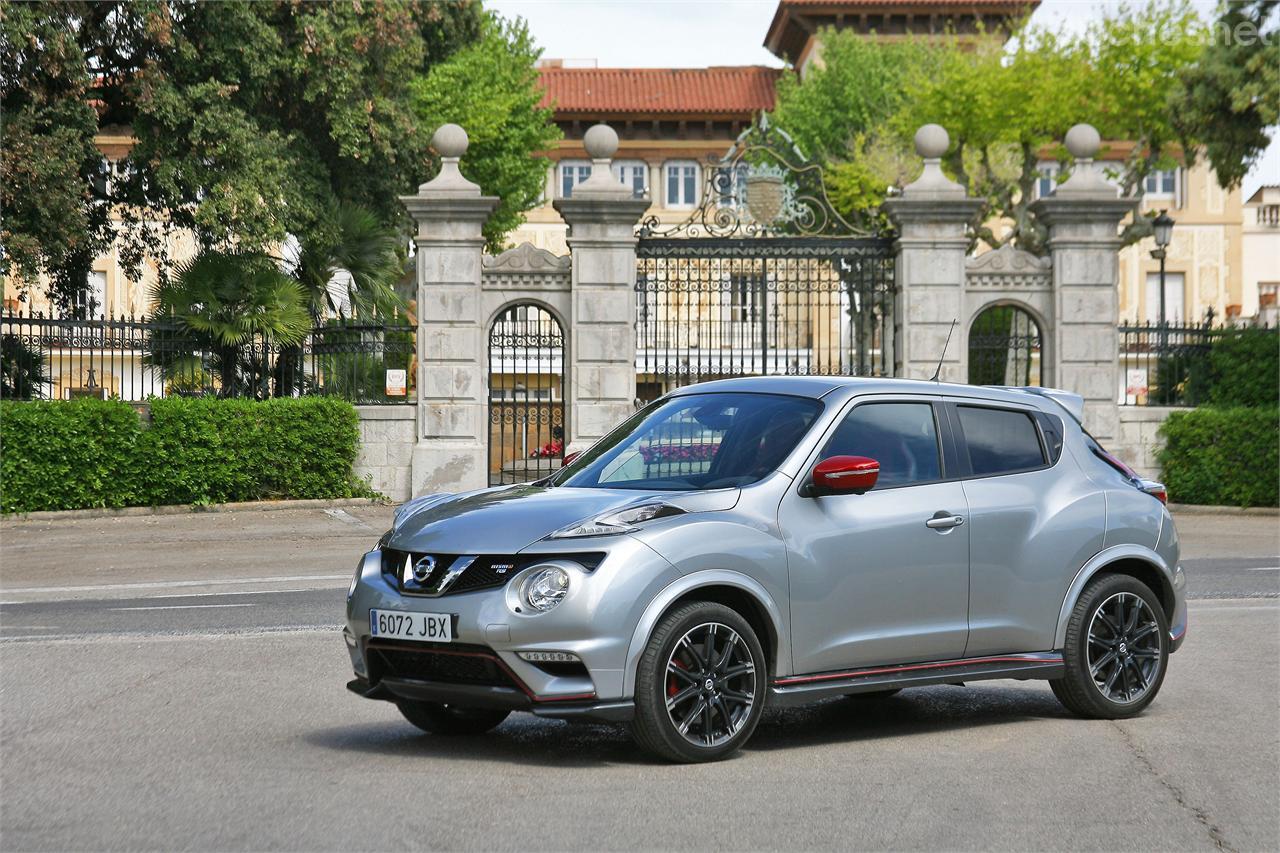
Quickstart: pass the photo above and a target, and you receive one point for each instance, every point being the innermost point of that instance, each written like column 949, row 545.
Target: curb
column 1201, row 509
column 186, row 509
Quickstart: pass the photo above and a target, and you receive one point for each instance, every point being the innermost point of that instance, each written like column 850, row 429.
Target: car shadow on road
column 525, row 739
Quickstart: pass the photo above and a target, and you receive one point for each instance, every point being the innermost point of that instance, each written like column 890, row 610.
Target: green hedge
column 1244, row 368
column 96, row 453
column 1223, row 456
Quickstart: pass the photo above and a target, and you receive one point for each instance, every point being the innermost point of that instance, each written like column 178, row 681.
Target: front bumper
column 595, row 621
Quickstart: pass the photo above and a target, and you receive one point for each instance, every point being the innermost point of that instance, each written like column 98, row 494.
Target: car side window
column 1051, row 429
column 902, row 437
column 1000, row 441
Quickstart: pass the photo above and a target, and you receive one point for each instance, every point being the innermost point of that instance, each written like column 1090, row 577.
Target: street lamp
column 1163, row 228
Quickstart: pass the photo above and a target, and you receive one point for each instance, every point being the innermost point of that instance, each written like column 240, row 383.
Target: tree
column 54, row 221
column 233, row 306
column 1004, row 106
column 491, row 89
column 251, row 120
column 355, row 247
column 1231, row 96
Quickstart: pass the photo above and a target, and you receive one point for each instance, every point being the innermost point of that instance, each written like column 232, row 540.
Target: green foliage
column 491, row 89
column 1231, row 96
column 252, row 119
column 95, row 453
column 68, row 455
column 222, row 303
column 1222, row 456
column 1001, row 104
column 22, row 370
column 352, row 240
column 1244, row 368
column 53, row 221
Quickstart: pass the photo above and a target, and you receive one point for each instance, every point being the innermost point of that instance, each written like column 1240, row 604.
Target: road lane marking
column 181, row 606
column 347, row 518
column 114, row 587
column 1266, row 569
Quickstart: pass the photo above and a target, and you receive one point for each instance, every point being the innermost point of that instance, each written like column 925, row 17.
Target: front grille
column 488, row 571
column 454, row 664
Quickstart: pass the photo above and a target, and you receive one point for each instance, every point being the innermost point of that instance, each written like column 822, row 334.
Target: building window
column 1173, row 300
column 682, row 183
column 633, row 174
column 90, row 303
column 1047, row 181
column 572, row 173
column 1162, row 183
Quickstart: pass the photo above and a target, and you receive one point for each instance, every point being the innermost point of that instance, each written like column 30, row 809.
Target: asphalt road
column 176, row 682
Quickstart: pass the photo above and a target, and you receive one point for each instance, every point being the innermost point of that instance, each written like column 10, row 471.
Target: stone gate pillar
column 452, row 397
column 1083, row 217
column 602, row 215
column 931, row 215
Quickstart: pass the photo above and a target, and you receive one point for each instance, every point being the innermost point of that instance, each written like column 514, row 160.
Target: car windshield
column 698, row 441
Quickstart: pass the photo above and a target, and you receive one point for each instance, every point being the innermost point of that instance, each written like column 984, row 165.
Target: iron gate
column 526, row 395
column 1005, row 348
column 763, row 276
column 709, row 308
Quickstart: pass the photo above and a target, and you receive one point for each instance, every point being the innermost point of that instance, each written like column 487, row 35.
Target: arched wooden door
column 526, row 394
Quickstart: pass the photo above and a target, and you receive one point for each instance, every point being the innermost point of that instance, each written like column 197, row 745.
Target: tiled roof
column 740, row 90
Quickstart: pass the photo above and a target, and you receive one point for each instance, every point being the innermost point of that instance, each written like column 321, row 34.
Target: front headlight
column 613, row 523
column 544, row 588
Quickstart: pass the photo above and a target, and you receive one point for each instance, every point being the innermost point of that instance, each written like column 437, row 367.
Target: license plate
column 422, row 627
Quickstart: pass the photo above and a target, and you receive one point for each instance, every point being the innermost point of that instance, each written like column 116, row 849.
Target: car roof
column 820, row 386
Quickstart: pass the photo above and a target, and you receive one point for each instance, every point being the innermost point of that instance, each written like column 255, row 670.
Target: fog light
column 545, row 588
column 549, row 657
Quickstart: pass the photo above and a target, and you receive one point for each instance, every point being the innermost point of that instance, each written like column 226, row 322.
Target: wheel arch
column 1137, row 562
column 736, row 591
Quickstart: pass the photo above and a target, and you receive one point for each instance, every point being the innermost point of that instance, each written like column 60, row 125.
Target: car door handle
column 943, row 521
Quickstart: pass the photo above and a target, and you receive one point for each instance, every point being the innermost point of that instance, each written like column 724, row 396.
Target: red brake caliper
column 672, row 687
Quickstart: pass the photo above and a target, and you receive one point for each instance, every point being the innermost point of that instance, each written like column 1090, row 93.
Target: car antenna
column 938, row 372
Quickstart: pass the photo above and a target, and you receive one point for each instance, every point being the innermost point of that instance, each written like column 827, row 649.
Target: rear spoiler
column 1073, row 403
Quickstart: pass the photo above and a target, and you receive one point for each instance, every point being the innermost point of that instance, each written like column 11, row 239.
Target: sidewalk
column 244, row 549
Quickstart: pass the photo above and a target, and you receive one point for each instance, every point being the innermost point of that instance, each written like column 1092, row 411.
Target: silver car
column 764, row 542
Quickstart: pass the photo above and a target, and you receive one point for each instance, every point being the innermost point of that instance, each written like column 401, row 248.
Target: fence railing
column 136, row 358
column 1170, row 365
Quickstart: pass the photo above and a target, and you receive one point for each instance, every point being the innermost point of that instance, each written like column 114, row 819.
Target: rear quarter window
column 1000, row 441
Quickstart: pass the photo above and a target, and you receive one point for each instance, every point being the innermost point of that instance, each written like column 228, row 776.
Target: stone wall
column 1138, row 442
column 387, row 437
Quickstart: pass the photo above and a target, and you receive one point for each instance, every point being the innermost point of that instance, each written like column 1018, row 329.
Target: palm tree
column 224, row 304
column 352, row 240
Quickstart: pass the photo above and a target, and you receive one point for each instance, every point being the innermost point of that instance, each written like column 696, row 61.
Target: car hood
column 507, row 519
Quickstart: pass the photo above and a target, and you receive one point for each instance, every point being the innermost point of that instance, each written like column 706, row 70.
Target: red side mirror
column 845, row 474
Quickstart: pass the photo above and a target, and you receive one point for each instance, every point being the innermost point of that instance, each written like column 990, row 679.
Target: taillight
column 1156, row 490
column 1116, row 463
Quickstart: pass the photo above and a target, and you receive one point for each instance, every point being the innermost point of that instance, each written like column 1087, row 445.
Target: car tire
column 709, row 713
column 439, row 719
column 1116, row 652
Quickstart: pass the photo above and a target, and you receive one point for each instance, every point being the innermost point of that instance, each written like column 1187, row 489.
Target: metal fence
column 135, row 358
column 1170, row 365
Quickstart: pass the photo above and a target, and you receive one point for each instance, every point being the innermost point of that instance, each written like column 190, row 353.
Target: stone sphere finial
column 601, row 142
column 1083, row 141
column 450, row 140
column 932, row 141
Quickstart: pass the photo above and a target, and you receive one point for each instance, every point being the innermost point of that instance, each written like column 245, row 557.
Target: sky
column 698, row 33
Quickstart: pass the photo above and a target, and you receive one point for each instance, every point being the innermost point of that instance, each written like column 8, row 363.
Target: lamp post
column 1162, row 225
